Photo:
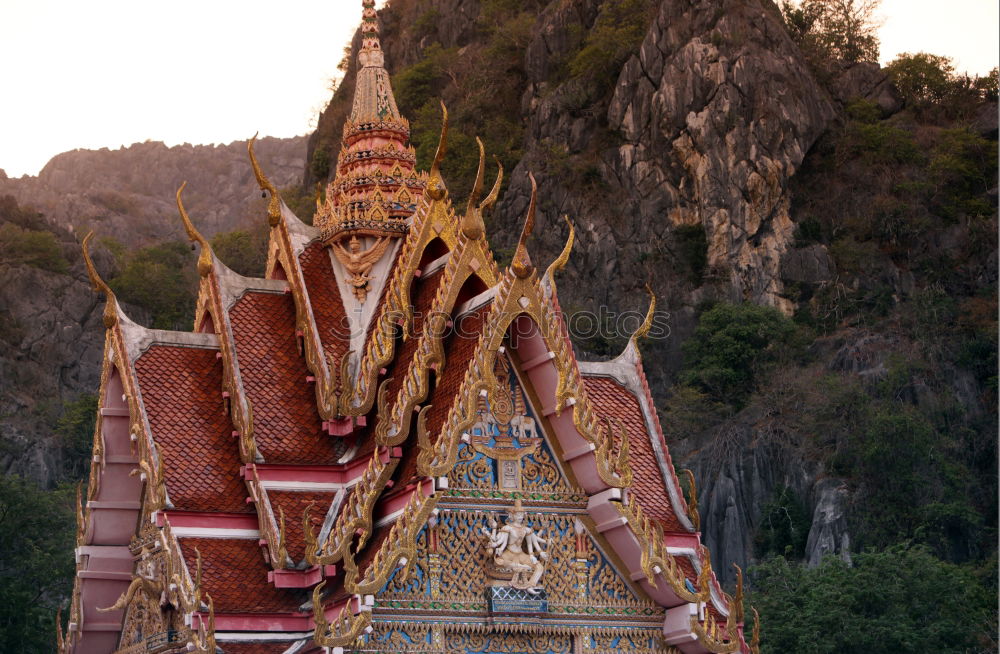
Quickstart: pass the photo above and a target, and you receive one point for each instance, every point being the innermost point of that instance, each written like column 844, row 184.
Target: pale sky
column 106, row 73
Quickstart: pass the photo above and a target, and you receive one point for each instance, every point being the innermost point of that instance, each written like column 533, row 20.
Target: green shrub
column 863, row 111
column 879, row 143
column 36, row 562
column 731, row 345
column 617, row 34
column 417, row 83
column 962, row 166
column 922, row 77
column 426, row 23
column 784, row 524
column 32, row 248
column 888, row 601
column 320, row 164
column 988, row 85
column 162, row 280
column 75, row 428
column 243, row 251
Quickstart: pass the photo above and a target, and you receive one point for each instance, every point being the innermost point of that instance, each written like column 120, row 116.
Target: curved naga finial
column 100, row 286
column 560, row 261
column 345, row 630
column 477, row 187
column 491, row 199
column 274, row 204
column 472, row 222
column 205, row 258
column 755, row 641
column 203, row 637
column 521, row 264
column 692, row 504
column 736, row 606
column 435, row 184
column 647, row 323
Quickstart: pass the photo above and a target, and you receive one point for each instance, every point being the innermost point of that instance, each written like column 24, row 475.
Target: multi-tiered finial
column 375, row 189
column 373, row 97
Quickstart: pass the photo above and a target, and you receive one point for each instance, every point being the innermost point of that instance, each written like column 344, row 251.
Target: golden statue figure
column 517, row 550
column 359, row 262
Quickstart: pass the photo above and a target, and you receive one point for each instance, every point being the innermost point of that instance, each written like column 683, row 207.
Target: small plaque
column 510, row 475
column 504, row 599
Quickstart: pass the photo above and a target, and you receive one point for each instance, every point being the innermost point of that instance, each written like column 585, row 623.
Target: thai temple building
column 384, row 445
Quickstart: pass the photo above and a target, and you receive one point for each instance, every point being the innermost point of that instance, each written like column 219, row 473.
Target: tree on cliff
column 834, row 29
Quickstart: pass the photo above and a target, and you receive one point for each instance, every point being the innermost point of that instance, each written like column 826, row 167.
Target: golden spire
column 373, row 99
column 100, row 286
column 521, row 264
column 205, row 258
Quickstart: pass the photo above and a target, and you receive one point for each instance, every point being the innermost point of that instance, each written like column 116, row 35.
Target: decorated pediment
column 505, row 451
column 512, row 550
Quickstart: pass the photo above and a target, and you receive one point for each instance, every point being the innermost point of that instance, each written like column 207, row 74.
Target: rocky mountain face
column 52, row 341
column 51, row 333
column 129, row 193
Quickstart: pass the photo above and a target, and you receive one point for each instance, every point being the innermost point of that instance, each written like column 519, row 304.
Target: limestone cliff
column 129, row 192
column 51, row 336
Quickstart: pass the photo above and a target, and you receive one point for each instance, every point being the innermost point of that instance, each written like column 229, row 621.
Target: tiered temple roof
column 314, row 465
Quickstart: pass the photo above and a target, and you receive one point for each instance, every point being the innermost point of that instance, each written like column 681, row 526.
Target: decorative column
column 580, row 562
column 433, row 557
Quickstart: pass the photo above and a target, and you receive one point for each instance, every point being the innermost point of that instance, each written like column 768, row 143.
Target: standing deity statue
column 517, row 550
column 359, row 263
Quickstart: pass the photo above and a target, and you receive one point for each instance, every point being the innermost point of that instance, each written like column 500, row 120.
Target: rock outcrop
column 129, row 192
column 52, row 342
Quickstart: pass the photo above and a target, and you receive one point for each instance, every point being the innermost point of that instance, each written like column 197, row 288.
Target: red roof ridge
column 626, row 370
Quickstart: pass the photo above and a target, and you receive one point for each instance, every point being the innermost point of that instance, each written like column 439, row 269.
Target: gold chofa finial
column 473, row 224
column 521, row 264
column 647, row 323
column 99, row 285
column 491, row 199
column 562, row 259
column 274, row 204
column 477, row 187
column 435, row 184
column 205, row 258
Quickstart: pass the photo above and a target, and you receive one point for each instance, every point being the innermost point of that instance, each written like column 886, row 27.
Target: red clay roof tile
column 234, row 573
column 324, row 296
column 611, row 400
column 181, row 390
column 294, row 503
column 287, row 426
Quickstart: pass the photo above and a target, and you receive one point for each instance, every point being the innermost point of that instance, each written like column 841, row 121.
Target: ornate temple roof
column 315, row 463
